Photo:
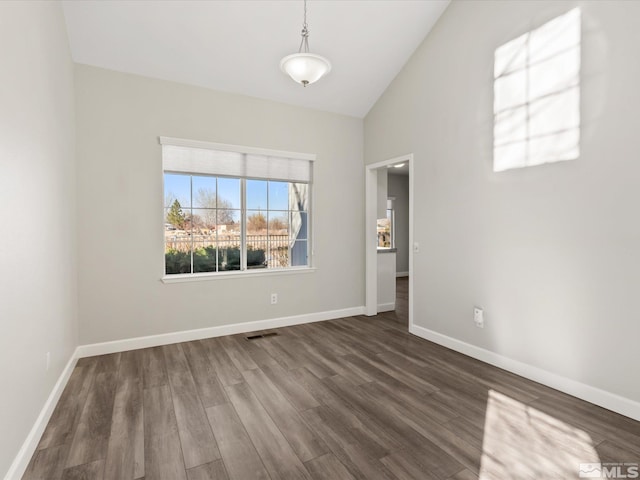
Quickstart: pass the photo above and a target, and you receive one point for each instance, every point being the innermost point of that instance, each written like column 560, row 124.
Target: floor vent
column 261, row 335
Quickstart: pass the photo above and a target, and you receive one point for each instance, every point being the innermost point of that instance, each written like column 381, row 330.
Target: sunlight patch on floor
column 521, row 442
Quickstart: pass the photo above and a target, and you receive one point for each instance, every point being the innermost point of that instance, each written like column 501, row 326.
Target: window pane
column 204, row 256
column 299, row 256
column 257, row 255
column 299, row 226
column 278, row 195
column 256, row 194
column 228, row 221
column 204, row 192
column 278, row 253
column 228, row 257
column 278, row 223
column 256, row 222
column 229, row 193
column 203, row 221
column 177, row 253
column 177, row 218
column 177, row 187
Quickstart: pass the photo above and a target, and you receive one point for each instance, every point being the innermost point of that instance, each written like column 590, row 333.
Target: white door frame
column 371, row 234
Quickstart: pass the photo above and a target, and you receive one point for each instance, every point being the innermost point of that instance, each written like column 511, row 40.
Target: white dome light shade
column 305, row 68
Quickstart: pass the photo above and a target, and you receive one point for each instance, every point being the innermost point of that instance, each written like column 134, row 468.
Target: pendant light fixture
column 303, row 67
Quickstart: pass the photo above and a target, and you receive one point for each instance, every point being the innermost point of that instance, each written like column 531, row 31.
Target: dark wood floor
column 352, row 398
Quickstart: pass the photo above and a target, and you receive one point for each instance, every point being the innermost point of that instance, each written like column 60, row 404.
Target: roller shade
column 227, row 160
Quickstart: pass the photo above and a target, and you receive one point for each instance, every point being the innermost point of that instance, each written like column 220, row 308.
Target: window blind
column 186, row 156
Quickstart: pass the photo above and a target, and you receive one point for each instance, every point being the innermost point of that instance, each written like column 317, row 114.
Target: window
column 230, row 208
column 537, row 96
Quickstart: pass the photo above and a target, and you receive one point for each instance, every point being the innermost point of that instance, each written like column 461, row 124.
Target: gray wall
column 399, row 188
column 37, row 207
column 552, row 252
column 120, row 198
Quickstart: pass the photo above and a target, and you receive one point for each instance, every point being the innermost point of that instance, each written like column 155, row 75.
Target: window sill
column 201, row 277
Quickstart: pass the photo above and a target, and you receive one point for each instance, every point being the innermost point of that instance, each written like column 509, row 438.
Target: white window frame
column 243, row 272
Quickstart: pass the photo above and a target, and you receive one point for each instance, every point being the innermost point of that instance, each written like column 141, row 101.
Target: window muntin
column 537, row 95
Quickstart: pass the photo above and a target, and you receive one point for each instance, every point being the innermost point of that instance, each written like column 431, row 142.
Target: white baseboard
column 608, row 400
column 232, row 329
column 386, row 307
column 22, row 459
column 402, row 274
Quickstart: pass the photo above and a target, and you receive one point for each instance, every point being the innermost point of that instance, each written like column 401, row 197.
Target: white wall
column 120, row 198
column 399, row 188
column 552, row 252
column 37, row 207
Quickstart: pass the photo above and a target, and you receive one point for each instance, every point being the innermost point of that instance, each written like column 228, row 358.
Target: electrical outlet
column 48, row 360
column 478, row 317
column 274, row 298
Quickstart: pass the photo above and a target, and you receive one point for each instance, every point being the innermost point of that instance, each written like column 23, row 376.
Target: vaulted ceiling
column 236, row 46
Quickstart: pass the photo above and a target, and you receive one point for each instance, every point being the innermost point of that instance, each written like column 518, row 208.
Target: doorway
column 371, row 232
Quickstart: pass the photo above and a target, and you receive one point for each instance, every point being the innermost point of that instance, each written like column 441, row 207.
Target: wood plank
column 302, row 440
column 125, row 453
column 349, row 415
column 437, row 441
column 65, row 417
column 464, row 475
column 404, row 468
column 276, row 453
column 88, row 471
column 208, row 471
column 91, row 438
column 613, row 452
column 238, row 453
column 258, row 355
column 328, row 467
column 163, row 456
column 154, row 370
column 47, row 464
column 225, row 368
column 198, row 444
column 295, row 393
column 361, row 462
column 209, row 387
column 240, row 358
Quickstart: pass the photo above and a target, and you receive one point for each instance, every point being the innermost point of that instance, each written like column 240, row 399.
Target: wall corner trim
column 611, row 401
column 22, row 459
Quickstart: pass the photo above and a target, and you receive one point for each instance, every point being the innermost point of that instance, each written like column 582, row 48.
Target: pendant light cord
column 304, row 42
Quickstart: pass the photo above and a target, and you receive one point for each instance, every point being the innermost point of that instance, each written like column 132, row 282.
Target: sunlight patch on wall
column 537, row 96
column 523, row 442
